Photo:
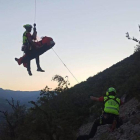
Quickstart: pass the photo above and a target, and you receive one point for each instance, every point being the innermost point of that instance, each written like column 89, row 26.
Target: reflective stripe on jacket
column 111, row 104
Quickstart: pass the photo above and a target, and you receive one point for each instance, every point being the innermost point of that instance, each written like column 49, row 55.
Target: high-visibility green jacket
column 111, row 104
column 25, row 39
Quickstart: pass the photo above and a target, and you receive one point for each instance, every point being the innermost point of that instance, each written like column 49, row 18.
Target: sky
column 89, row 37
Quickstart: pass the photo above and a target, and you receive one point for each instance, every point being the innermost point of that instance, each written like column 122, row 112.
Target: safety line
column 65, row 66
column 55, row 52
column 35, row 12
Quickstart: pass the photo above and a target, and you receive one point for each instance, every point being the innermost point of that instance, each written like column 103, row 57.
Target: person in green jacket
column 110, row 113
column 29, row 47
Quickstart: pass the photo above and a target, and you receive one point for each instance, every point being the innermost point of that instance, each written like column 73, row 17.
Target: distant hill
column 23, row 96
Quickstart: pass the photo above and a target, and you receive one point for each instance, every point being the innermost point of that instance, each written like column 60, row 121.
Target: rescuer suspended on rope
column 33, row 49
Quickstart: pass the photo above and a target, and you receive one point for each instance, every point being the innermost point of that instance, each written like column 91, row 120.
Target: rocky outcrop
column 130, row 130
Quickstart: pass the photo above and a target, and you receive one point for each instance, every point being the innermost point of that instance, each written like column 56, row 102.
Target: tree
column 14, row 119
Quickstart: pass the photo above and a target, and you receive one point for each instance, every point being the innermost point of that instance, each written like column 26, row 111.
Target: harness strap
column 112, row 99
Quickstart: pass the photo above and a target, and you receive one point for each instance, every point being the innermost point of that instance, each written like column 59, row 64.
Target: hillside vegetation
column 58, row 114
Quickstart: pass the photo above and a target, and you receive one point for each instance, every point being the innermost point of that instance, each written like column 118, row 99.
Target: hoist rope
column 55, row 52
column 35, row 12
column 65, row 66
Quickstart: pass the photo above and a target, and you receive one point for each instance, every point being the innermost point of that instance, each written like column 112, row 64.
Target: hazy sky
column 89, row 36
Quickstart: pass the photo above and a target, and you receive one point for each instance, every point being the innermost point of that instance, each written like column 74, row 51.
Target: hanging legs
column 29, row 68
column 38, row 65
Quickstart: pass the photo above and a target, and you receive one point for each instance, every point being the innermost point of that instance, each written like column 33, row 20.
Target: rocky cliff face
column 130, row 130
